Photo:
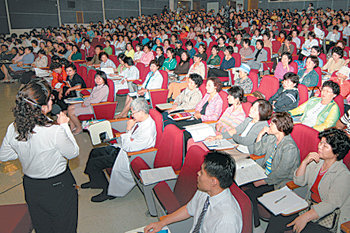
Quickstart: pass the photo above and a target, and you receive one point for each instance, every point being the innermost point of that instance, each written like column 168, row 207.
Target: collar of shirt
column 214, row 200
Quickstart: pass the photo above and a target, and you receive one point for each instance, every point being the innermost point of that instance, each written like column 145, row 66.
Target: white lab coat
column 144, row 137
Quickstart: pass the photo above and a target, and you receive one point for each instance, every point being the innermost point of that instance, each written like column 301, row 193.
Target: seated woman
column 139, row 52
column 159, row 56
column 197, row 68
column 227, row 63
column 184, row 64
column 105, row 61
column 41, row 61
column 308, row 44
column 287, row 96
column 341, row 77
column 208, row 109
column 75, row 55
column 308, row 76
column 281, row 158
column 230, row 119
column 320, row 112
column 129, row 52
column 214, row 59
column 202, row 51
column 335, row 62
column 99, row 94
column 242, row 78
column 129, row 74
column 284, row 66
column 259, row 55
column 246, row 50
column 108, row 49
column 147, row 56
column 327, row 179
column 121, row 65
column 169, row 63
column 315, row 51
column 154, row 80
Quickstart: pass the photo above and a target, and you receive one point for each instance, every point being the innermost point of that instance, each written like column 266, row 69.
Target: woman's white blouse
column 44, row 154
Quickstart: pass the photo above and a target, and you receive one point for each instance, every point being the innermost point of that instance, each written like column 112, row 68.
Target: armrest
column 345, row 226
column 117, row 135
column 102, row 103
column 256, row 157
column 292, row 185
column 119, row 119
column 142, row 151
column 313, row 88
column 190, row 110
column 210, row 122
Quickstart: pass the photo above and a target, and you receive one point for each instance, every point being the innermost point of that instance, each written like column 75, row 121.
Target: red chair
column 114, row 59
column 340, row 101
column 275, row 46
column 165, row 79
column 246, row 208
column 246, row 108
column 206, row 69
column 237, row 58
column 113, row 49
column 346, row 160
column 255, row 79
column 303, row 93
column 90, row 82
column 15, row 218
column 306, row 139
column 158, row 96
column 169, row 153
column 221, row 55
column 223, row 95
column 295, row 66
column 268, row 86
column 323, row 57
column 143, row 72
column 103, row 110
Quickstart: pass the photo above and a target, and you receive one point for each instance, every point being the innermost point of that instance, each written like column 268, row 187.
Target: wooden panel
column 80, row 16
column 253, row 4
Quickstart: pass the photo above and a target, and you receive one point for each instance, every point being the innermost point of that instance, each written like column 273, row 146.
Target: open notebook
column 200, row 132
column 247, row 170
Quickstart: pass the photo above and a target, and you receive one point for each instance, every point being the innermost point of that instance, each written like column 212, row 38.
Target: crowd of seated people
column 307, row 48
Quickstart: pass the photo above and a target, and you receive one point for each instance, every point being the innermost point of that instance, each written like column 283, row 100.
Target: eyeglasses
column 133, row 113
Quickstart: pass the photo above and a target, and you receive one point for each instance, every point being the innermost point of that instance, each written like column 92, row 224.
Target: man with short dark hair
column 213, row 207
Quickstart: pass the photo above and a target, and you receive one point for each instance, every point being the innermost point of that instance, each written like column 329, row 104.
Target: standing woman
column 43, row 147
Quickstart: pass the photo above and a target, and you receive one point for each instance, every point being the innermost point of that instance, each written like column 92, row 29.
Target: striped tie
column 201, row 216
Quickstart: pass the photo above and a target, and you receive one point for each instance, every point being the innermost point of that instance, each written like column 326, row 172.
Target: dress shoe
column 102, row 197
column 89, row 185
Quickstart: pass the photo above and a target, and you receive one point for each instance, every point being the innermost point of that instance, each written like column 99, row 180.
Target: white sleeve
column 65, row 142
column 6, row 151
column 192, row 205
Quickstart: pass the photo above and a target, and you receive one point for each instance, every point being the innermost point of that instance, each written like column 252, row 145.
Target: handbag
column 329, row 221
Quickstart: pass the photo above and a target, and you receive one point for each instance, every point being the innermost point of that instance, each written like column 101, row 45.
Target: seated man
column 213, row 207
column 141, row 134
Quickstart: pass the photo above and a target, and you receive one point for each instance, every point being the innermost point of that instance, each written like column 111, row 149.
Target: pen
column 280, row 199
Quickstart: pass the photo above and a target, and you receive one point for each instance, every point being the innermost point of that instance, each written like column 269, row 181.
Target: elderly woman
column 230, row 119
column 41, row 61
column 259, row 55
column 335, row 62
column 320, row 112
column 197, row 68
column 284, row 66
column 327, row 179
column 242, row 78
column 105, row 61
column 308, row 76
column 280, row 161
column 99, row 94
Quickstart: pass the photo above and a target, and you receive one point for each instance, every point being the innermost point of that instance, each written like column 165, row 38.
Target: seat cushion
column 15, row 219
column 166, row 197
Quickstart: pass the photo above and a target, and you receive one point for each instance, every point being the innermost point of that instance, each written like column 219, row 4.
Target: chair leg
column 147, row 192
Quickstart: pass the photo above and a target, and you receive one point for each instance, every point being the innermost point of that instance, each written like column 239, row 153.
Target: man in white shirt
column 141, row 134
column 213, row 207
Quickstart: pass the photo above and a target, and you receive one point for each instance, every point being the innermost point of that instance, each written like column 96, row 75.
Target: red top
column 59, row 78
column 315, row 196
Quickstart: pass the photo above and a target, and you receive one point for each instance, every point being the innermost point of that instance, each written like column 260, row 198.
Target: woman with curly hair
column 43, row 147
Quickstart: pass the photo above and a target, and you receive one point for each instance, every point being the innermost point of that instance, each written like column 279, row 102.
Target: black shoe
column 89, row 185
column 102, row 197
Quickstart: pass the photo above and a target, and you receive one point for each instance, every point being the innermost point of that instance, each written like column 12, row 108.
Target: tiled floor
column 114, row 216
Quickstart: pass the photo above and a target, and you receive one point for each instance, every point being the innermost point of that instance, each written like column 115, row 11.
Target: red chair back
column 323, row 57
column 111, row 93
column 246, row 208
column 158, row 96
column 306, row 139
column 223, row 95
column 303, row 93
column 165, row 79
column 221, row 55
column 83, row 55
column 275, row 46
column 113, row 50
column 268, row 50
column 340, row 101
column 143, row 70
column 158, row 119
column 114, row 59
column 346, row 160
column 295, row 66
column 206, row 69
column 170, row 149
column 254, row 77
column 186, row 184
column 268, row 86
column 246, row 108
column 90, row 82
column 319, row 72
column 237, row 58
column 48, row 60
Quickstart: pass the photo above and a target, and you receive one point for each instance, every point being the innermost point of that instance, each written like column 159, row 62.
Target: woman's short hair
column 41, row 51
column 188, row 56
column 221, row 166
column 247, row 41
column 261, row 43
column 317, row 48
column 334, row 86
column 171, row 50
column 217, row 83
column 264, row 108
column 72, row 66
column 293, row 77
column 154, row 62
column 101, row 54
column 238, row 93
column 229, row 49
column 289, row 55
column 215, row 47
column 197, row 79
column 283, row 122
column 55, row 65
column 160, row 48
column 339, row 51
column 102, row 75
column 338, row 140
column 312, row 34
column 314, row 59
column 139, row 45
column 203, row 46
column 27, row 111
column 129, row 61
column 140, row 104
column 121, row 56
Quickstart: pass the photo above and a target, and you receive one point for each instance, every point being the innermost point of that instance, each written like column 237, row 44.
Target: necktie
column 135, row 128
column 201, row 216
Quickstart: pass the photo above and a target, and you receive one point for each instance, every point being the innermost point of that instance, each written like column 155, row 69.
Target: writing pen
column 280, row 199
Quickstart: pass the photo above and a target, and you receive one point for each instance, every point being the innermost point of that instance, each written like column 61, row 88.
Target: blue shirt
column 225, row 65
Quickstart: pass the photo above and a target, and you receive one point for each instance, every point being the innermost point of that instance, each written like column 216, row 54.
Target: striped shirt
column 231, row 118
column 269, row 163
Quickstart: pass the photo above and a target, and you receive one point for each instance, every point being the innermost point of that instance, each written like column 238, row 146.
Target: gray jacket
column 285, row 160
column 334, row 189
column 250, row 139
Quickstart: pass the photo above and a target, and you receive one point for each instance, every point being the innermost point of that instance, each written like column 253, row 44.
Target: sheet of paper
column 133, row 94
column 108, row 70
column 74, row 100
column 283, row 201
column 164, row 106
column 222, row 144
column 200, row 132
column 247, row 170
column 151, row 176
column 140, row 230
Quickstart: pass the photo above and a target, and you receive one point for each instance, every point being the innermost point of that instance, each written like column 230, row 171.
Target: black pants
column 100, row 159
column 277, row 224
column 60, row 102
column 52, row 203
column 253, row 193
column 213, row 72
